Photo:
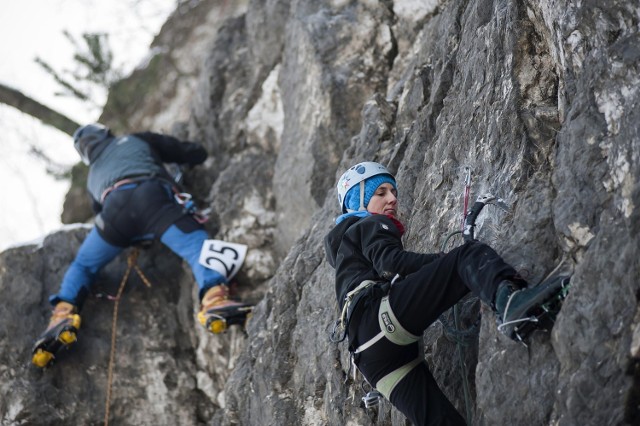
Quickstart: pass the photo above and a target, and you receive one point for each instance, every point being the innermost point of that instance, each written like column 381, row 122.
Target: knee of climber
column 188, row 224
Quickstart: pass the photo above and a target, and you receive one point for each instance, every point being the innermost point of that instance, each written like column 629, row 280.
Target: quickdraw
column 186, row 201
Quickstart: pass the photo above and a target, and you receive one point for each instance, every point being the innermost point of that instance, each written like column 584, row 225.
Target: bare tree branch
column 27, row 105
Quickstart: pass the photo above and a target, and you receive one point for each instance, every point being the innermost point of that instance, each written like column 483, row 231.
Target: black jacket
column 369, row 249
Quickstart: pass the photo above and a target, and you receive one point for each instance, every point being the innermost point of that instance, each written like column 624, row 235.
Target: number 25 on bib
column 223, row 257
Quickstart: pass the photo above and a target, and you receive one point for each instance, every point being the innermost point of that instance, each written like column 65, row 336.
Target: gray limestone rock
column 539, row 99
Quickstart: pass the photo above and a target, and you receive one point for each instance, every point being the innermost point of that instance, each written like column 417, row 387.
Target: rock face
column 539, row 99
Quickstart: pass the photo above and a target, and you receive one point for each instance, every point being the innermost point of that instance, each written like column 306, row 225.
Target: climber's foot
column 533, row 308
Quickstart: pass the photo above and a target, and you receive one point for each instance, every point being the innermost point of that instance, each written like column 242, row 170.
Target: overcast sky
column 31, row 200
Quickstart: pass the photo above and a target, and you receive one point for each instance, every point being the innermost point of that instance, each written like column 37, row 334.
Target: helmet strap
column 362, row 207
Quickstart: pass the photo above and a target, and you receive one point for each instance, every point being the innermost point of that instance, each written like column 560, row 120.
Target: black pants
column 417, row 301
column 141, row 211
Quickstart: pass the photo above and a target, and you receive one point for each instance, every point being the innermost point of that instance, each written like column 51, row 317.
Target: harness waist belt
column 344, row 316
column 122, row 182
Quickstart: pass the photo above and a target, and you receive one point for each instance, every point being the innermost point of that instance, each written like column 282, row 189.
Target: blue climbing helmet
column 86, row 138
column 358, row 174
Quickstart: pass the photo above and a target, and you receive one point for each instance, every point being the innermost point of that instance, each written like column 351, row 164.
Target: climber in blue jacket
column 389, row 296
column 134, row 198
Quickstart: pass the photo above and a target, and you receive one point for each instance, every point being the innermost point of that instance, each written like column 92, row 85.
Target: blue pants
column 138, row 212
column 95, row 253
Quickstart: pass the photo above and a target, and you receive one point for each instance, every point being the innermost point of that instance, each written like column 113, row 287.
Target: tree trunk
column 20, row 101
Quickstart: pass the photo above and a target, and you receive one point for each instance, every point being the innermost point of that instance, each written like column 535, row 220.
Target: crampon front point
column 52, row 340
column 542, row 317
column 218, row 320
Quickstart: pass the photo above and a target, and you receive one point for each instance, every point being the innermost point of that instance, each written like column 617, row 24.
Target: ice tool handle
column 470, row 219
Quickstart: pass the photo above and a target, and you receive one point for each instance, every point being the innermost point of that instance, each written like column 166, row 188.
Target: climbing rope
column 131, row 264
column 461, row 337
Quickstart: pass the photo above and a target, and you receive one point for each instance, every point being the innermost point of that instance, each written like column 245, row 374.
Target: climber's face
column 384, row 200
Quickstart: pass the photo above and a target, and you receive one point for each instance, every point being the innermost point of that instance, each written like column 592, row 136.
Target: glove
column 194, row 153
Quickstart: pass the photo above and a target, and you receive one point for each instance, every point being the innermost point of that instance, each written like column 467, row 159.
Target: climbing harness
column 183, row 198
column 131, row 264
column 390, row 329
column 129, row 182
column 340, row 327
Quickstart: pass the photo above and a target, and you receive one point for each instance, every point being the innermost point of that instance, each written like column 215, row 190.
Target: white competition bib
column 223, row 257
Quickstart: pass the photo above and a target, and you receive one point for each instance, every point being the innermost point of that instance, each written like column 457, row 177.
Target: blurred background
column 40, row 40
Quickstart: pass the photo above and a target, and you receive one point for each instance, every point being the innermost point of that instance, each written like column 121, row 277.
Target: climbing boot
column 61, row 332
column 520, row 311
column 218, row 312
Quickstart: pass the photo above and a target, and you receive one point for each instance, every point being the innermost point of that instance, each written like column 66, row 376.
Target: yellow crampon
column 218, row 312
column 62, row 335
column 218, row 323
column 42, row 358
